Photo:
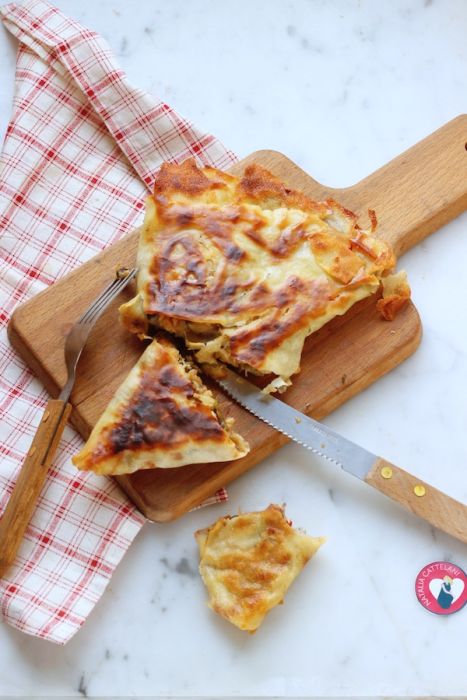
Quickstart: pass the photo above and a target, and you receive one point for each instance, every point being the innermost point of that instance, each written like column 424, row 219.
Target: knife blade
column 297, row 426
column 415, row 495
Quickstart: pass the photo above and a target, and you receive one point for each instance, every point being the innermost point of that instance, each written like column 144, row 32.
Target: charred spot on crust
column 174, row 382
column 184, row 217
column 234, row 253
column 191, row 222
column 155, row 417
column 159, row 422
column 251, row 345
column 248, row 262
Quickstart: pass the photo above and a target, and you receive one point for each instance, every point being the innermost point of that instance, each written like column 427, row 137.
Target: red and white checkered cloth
column 81, row 150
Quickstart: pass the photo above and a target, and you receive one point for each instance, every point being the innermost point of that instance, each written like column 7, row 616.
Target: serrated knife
column 415, row 495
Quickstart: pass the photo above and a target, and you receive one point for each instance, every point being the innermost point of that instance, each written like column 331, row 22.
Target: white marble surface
column 340, row 87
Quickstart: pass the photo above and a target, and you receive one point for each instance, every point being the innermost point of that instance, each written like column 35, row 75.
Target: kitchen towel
column 80, row 154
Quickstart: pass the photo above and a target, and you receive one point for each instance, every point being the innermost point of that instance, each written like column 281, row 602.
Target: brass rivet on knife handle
column 22, row 502
column 420, row 498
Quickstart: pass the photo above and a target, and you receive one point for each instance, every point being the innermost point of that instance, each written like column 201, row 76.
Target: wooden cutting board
column 413, row 196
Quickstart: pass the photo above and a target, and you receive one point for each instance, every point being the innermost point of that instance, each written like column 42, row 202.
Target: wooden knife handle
column 420, row 498
column 31, row 478
column 420, row 190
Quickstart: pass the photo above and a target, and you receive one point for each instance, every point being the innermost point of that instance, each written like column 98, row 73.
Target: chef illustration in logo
column 445, row 596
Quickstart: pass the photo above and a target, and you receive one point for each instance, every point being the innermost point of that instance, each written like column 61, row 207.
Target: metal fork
column 23, row 500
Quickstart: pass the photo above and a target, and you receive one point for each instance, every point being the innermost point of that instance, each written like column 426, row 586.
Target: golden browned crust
column 186, row 178
column 164, row 411
column 248, row 562
column 259, row 186
column 396, row 294
column 161, row 416
column 245, row 268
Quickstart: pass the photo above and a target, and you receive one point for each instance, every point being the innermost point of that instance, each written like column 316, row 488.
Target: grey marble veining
column 341, row 88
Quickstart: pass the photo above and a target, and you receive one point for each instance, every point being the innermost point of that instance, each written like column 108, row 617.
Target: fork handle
column 420, row 498
column 30, row 481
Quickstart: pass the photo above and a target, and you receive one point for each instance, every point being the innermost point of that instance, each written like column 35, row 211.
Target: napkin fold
column 80, row 153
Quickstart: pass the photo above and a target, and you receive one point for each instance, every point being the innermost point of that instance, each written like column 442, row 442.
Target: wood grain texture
column 338, row 361
column 413, row 195
column 22, row 502
column 432, row 505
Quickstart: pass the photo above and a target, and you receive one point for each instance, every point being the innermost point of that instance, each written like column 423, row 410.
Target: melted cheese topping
column 245, row 269
column 248, row 562
column 161, row 416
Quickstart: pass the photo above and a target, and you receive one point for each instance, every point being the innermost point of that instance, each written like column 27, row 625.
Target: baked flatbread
column 161, row 416
column 249, row 561
column 244, row 269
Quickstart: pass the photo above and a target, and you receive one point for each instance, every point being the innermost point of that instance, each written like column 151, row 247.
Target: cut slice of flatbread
column 244, row 269
column 249, row 561
column 161, row 416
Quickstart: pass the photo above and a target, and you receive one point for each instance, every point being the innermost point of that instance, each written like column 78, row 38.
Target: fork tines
column 109, row 293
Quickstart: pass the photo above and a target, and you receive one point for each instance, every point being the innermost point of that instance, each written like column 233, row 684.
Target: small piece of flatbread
column 248, row 562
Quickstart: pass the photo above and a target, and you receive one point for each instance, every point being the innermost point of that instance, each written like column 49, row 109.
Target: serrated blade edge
column 297, row 426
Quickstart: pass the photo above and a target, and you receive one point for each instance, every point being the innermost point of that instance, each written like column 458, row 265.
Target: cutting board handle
column 420, row 190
